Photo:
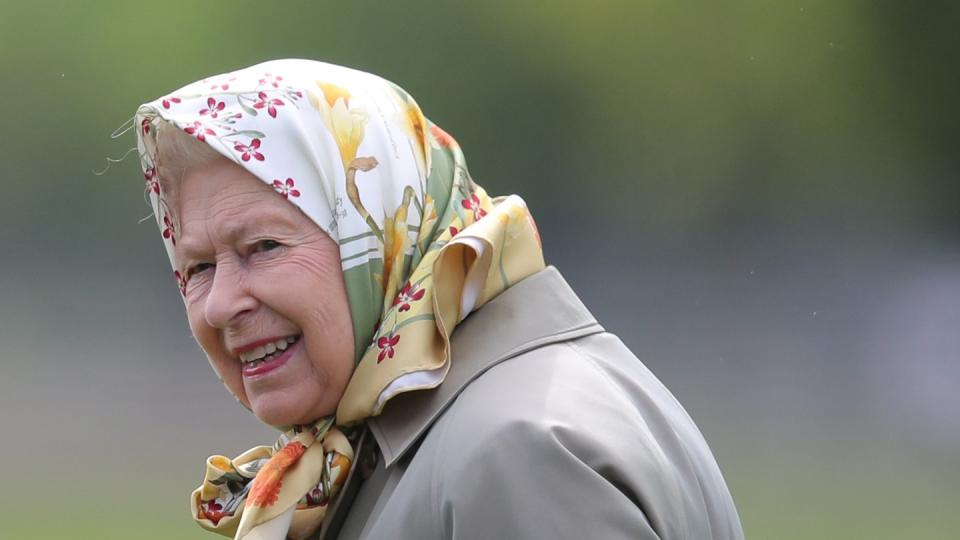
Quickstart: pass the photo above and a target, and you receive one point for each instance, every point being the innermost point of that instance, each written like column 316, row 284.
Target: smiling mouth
column 267, row 352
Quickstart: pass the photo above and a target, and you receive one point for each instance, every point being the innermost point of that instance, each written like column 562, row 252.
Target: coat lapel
column 537, row 311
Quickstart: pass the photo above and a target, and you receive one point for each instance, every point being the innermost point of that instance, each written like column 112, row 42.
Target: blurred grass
column 869, row 493
column 842, row 497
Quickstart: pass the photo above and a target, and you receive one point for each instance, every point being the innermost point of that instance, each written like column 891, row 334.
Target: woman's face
column 265, row 294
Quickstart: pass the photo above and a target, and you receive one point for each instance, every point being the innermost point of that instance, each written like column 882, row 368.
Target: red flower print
column 150, row 175
column 265, row 101
column 213, row 108
column 145, row 126
column 473, row 203
column 286, row 188
column 266, row 485
column 213, row 511
column 198, row 130
column 169, row 231
column 442, row 137
column 181, row 282
column 273, row 80
column 249, row 150
column 409, row 293
column 168, row 100
column 223, row 85
column 454, row 231
column 386, row 344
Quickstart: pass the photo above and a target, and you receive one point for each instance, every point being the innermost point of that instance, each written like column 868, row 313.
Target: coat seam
column 591, row 361
column 437, row 504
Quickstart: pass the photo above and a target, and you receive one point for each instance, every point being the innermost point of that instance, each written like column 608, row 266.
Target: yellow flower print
column 363, row 164
column 426, row 224
column 332, row 93
column 515, row 219
column 346, row 124
column 339, row 469
column 221, row 462
column 414, row 124
column 347, row 127
column 395, row 240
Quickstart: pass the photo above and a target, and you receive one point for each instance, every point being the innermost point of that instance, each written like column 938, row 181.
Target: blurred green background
column 761, row 198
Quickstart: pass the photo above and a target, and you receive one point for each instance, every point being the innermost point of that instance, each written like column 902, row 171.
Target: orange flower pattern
column 266, row 486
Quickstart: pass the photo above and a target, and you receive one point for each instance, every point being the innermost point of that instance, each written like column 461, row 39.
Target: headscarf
column 421, row 247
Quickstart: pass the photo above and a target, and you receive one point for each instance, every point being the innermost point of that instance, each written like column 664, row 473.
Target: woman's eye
column 267, row 245
column 197, row 268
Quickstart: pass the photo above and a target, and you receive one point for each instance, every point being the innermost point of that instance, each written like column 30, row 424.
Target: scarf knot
column 300, row 474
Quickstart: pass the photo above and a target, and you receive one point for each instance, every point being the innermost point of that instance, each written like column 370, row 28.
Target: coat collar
column 540, row 310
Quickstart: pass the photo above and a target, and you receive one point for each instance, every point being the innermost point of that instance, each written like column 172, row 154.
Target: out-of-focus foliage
column 674, row 113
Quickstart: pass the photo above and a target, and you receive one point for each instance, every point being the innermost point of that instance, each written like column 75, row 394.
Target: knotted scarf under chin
column 275, row 492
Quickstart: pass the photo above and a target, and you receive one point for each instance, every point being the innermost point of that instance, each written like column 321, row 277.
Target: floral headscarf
column 421, row 246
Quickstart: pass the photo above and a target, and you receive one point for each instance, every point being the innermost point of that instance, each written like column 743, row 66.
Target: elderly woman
column 353, row 287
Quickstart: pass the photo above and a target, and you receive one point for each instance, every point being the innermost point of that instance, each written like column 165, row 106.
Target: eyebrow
column 253, row 223
column 257, row 220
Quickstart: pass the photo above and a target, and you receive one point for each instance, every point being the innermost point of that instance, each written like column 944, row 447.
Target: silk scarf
column 421, row 247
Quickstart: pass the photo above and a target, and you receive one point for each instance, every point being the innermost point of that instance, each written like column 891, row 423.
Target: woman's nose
column 228, row 298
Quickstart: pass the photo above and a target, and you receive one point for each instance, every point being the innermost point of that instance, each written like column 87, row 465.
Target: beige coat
column 545, row 427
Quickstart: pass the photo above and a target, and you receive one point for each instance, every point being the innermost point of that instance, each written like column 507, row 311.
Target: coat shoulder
column 578, row 424
column 552, row 388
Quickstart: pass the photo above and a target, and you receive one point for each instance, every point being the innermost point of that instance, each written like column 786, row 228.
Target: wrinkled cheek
column 331, row 365
column 226, row 368
column 229, row 372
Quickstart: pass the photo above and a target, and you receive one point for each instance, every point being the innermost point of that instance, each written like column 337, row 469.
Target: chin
column 277, row 412
column 285, row 407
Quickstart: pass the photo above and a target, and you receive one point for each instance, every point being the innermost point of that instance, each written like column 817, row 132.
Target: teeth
column 258, row 354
